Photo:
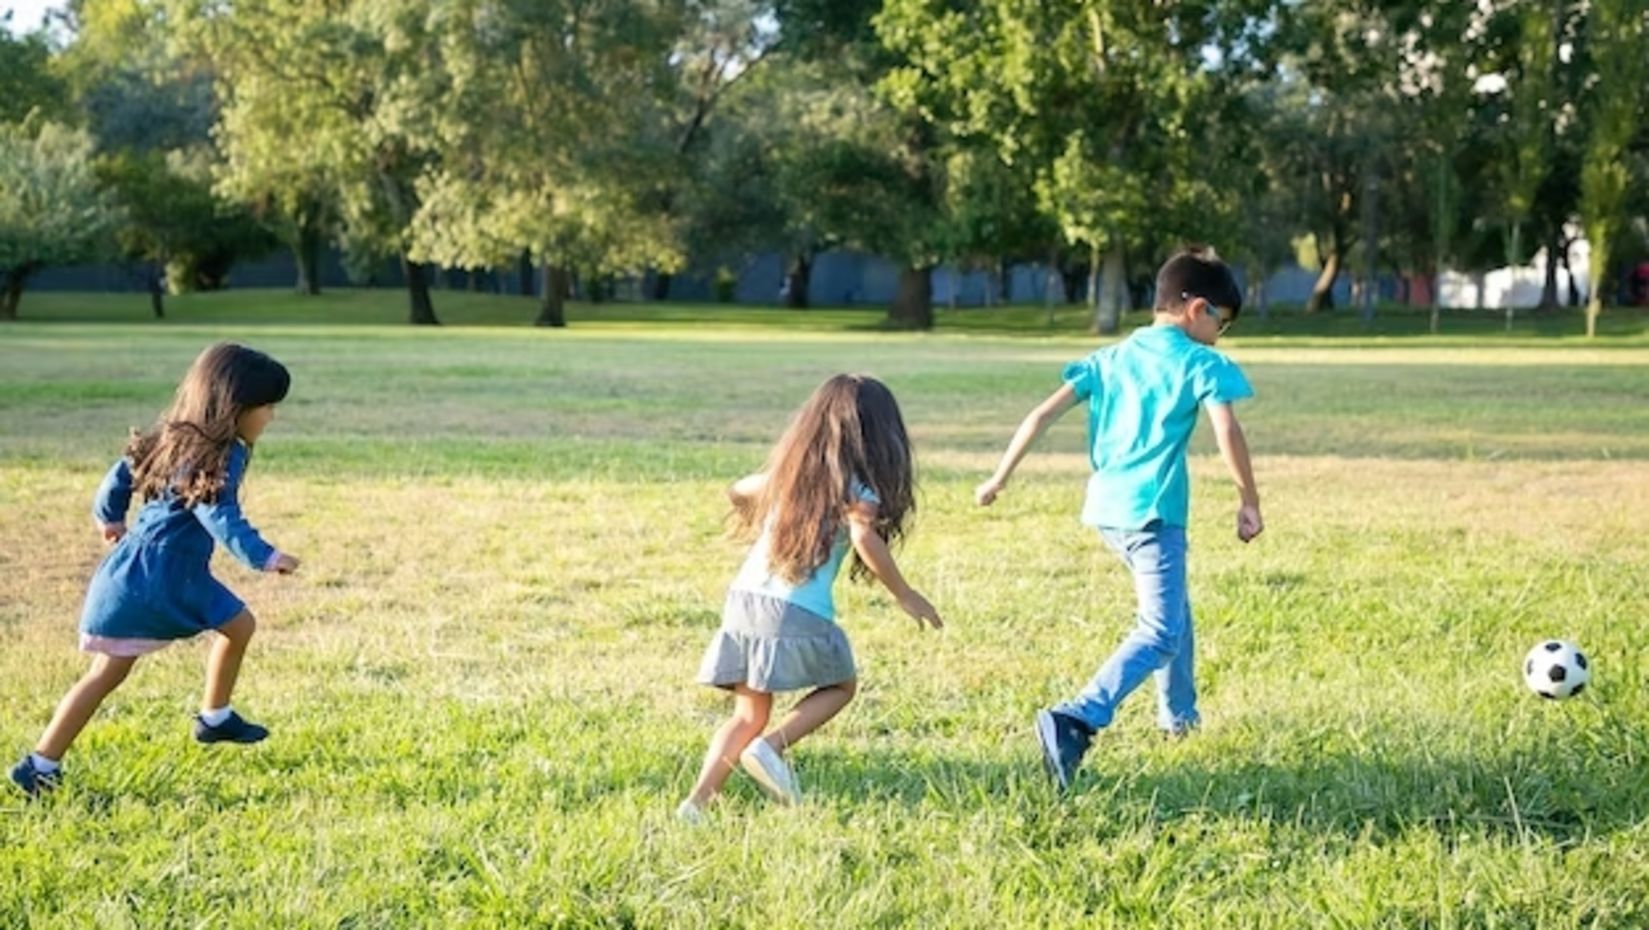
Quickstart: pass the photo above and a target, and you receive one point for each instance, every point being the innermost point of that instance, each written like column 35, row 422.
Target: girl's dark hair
column 849, row 431
column 187, row 451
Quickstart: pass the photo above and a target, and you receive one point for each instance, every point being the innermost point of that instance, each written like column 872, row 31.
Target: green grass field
column 480, row 684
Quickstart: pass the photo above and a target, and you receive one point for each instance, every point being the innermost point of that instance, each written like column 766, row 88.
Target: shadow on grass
column 1358, row 797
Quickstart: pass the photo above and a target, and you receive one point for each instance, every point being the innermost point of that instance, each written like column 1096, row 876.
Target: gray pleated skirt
column 769, row 644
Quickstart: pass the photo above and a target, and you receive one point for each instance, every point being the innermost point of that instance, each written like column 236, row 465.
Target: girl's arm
column 747, row 488
column 1234, row 449
column 228, row 525
column 873, row 551
column 114, row 498
column 1030, row 428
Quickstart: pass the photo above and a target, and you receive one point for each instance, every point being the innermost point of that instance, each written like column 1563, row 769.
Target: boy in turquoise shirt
column 1143, row 394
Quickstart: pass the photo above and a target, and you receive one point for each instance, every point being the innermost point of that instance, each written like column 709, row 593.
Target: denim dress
column 155, row 585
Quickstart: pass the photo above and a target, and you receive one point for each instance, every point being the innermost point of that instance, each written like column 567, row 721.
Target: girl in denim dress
column 840, row 478
column 154, row 586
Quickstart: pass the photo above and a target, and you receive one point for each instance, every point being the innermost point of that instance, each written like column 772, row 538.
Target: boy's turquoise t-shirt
column 1143, row 394
column 813, row 593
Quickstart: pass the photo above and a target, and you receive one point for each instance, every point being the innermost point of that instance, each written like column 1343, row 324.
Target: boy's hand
column 1249, row 523
column 112, row 532
column 917, row 606
column 986, row 493
column 286, row 564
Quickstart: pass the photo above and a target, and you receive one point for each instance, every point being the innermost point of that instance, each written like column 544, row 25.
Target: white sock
column 215, row 718
column 42, row 764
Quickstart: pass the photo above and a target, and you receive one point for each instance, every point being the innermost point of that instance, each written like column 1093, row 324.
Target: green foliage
column 171, row 217
column 1618, row 111
column 27, row 82
column 552, row 137
column 52, row 209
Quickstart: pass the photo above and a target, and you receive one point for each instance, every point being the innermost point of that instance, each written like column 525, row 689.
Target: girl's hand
column 918, row 607
column 286, row 564
column 112, row 532
column 1249, row 523
column 986, row 493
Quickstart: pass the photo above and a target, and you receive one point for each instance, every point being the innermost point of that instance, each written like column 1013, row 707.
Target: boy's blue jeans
column 1161, row 641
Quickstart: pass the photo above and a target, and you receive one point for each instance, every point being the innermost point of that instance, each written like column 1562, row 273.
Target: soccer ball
column 1556, row 669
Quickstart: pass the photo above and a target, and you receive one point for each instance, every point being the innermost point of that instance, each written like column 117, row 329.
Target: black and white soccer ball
column 1556, row 669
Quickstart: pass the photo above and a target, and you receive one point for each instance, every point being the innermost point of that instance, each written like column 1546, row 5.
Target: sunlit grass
column 480, row 683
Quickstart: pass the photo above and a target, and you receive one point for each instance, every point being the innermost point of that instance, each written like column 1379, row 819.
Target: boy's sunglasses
column 1226, row 318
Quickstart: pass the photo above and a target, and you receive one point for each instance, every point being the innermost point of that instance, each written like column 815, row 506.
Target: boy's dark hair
column 1197, row 272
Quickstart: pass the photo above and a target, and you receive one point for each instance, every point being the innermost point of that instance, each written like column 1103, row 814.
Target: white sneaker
column 770, row 771
column 690, row 813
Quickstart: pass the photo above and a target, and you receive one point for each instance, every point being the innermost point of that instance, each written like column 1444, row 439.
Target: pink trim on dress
column 121, row 647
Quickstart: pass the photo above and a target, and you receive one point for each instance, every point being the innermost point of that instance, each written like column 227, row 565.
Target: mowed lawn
column 480, row 683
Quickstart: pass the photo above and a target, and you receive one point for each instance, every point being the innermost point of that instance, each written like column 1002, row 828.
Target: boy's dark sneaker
column 234, row 730
column 33, row 781
column 1064, row 740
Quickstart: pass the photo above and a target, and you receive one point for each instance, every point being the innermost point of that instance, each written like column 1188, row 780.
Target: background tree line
column 588, row 139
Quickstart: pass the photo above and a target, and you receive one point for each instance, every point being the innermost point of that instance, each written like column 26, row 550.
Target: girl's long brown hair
column 187, row 450
column 849, row 430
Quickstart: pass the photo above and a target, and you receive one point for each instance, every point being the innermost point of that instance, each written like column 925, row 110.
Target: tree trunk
column 912, row 306
column 1574, row 290
column 552, row 308
column 1072, row 279
column 1599, row 269
column 524, row 271
column 661, row 285
column 157, row 291
column 1256, row 298
column 1514, row 250
column 421, row 310
column 955, row 286
column 1322, row 293
column 307, row 252
column 1113, row 291
column 796, row 280
column 1481, row 280
column 1371, row 243
column 11, row 289
column 1548, row 290
column 11, row 293
column 1049, row 281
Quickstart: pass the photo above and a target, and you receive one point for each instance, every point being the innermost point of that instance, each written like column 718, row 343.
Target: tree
column 27, row 82
column 550, row 141
column 1528, row 126
column 173, row 223
column 325, row 113
column 1617, row 37
column 151, row 113
column 52, row 209
column 1114, row 112
column 874, row 178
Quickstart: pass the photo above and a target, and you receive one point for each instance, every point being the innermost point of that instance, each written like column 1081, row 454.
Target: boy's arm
column 1030, row 428
column 114, row 498
column 1234, row 449
column 873, row 551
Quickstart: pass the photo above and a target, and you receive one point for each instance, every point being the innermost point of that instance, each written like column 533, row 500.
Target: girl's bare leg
column 82, row 701
column 750, row 714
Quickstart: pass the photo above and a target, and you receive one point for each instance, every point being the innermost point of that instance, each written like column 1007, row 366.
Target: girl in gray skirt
column 839, row 478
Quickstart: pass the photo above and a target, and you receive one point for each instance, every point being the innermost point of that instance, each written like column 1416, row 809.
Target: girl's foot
column 235, row 729
column 690, row 813
column 770, row 771
column 34, row 782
